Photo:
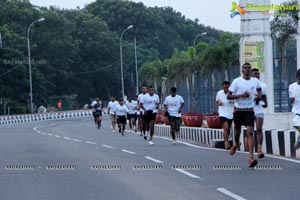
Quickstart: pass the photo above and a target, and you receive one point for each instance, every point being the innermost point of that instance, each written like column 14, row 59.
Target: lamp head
column 129, row 27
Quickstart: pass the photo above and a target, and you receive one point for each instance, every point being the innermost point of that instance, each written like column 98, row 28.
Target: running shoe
column 252, row 162
column 151, row 143
column 260, row 154
column 145, row 137
column 174, row 142
column 113, row 131
column 297, row 144
column 234, row 148
column 141, row 134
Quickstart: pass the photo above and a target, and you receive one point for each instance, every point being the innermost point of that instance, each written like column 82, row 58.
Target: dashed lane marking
column 153, row 159
column 107, row 146
column 88, row 142
column 130, row 152
column 188, row 174
column 228, row 193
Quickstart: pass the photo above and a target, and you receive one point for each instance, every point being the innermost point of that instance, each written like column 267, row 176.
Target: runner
column 121, row 111
column 141, row 121
column 111, row 110
column 132, row 107
column 294, row 94
column 225, row 110
column 243, row 91
column 173, row 105
column 94, row 112
column 98, row 112
column 259, row 112
column 150, row 104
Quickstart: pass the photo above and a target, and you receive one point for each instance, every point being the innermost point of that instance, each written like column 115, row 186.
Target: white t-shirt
column 140, row 97
column 294, row 92
column 112, row 106
column 173, row 104
column 258, row 109
column 240, row 86
column 93, row 103
column 226, row 109
column 131, row 106
column 121, row 110
column 149, row 102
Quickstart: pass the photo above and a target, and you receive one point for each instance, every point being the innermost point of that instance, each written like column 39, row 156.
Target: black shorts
column 243, row 118
column 224, row 119
column 121, row 119
column 150, row 116
column 130, row 116
column 97, row 113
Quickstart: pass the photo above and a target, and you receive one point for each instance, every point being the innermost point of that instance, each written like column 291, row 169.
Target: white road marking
column 153, row 159
column 130, row 152
column 227, row 192
column 88, row 142
column 110, row 147
column 188, row 174
column 75, row 140
column 67, row 138
column 57, row 136
column 43, row 133
column 35, row 128
column 50, row 134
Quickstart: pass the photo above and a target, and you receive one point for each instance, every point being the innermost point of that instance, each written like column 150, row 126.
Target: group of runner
column 142, row 109
column 242, row 102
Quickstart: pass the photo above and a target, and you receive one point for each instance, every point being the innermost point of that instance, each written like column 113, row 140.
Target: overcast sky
column 215, row 14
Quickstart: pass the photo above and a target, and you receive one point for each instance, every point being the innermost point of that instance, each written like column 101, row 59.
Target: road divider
column 17, row 119
column 275, row 142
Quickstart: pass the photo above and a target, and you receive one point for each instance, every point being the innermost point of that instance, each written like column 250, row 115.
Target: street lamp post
column 121, row 58
column 29, row 59
column 204, row 33
column 136, row 68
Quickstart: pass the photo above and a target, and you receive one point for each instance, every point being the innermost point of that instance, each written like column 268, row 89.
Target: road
column 69, row 159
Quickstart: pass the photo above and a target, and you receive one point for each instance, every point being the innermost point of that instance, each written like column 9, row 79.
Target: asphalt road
column 71, row 159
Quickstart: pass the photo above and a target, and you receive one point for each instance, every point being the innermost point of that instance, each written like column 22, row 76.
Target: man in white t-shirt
column 173, row 105
column 141, row 122
column 132, row 107
column 120, row 111
column 294, row 94
column 111, row 110
column 244, row 91
column 149, row 104
column 225, row 110
column 259, row 106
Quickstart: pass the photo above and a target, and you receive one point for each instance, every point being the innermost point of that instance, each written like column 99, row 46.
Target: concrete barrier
column 16, row 119
column 275, row 142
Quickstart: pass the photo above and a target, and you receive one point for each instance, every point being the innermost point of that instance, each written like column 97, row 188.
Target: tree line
column 75, row 52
